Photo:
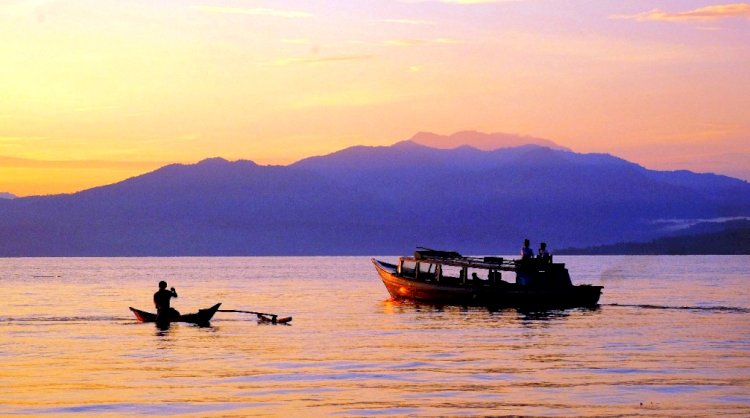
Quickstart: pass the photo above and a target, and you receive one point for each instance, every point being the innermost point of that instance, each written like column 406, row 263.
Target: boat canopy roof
column 452, row 258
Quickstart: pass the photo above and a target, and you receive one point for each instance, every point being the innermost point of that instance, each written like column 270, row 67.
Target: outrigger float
column 447, row 277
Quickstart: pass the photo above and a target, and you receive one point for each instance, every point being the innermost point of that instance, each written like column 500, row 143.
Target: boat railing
column 484, row 262
column 489, row 263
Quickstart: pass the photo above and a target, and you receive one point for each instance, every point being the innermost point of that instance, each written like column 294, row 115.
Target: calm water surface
column 672, row 338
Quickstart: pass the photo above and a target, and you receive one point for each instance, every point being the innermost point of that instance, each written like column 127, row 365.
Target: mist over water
column 670, row 338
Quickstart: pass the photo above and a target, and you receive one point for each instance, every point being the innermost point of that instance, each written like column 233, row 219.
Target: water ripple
column 732, row 309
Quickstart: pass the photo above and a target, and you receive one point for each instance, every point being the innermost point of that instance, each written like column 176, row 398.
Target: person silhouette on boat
column 526, row 252
column 544, row 255
column 162, row 300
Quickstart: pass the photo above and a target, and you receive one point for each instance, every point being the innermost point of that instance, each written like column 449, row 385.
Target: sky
column 96, row 91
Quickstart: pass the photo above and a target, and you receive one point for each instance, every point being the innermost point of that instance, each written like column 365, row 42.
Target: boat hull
column 501, row 294
column 203, row 316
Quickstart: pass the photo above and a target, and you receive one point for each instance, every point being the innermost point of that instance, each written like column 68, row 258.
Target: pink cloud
column 708, row 13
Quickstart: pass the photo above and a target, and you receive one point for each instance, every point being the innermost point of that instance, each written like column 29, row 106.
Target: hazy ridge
column 726, row 238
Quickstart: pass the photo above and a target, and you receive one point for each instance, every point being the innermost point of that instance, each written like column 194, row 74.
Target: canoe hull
column 495, row 295
column 203, row 316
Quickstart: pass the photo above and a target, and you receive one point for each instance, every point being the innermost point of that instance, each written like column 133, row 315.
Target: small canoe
column 203, row 316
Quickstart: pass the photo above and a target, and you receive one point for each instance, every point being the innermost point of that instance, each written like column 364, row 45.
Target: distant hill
column 4, row 195
column 727, row 238
column 371, row 200
column 480, row 140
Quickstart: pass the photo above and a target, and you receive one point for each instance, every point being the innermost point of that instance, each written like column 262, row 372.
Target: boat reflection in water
column 523, row 316
column 447, row 277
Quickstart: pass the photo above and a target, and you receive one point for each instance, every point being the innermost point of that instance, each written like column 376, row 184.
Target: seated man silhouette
column 162, row 298
column 544, row 255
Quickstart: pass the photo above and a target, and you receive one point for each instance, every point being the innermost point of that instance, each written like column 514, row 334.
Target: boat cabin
column 451, row 268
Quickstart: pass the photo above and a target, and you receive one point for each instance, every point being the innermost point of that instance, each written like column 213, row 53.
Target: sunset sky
column 95, row 91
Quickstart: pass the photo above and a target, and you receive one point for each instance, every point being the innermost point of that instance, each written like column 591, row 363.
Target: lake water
column 672, row 337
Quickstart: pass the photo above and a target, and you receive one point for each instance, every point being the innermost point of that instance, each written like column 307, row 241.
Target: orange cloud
column 406, row 21
column 8, row 162
column 258, row 11
column 405, row 42
column 414, row 42
column 462, row 2
column 477, row 1
column 708, row 13
column 319, row 60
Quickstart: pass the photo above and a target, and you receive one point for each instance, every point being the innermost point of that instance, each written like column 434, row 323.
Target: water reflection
column 162, row 328
column 553, row 314
column 392, row 306
column 732, row 309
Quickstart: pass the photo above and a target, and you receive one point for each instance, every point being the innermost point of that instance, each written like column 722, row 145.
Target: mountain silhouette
column 370, row 200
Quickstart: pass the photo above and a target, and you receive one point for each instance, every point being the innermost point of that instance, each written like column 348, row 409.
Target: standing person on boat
column 543, row 254
column 162, row 300
column 526, row 252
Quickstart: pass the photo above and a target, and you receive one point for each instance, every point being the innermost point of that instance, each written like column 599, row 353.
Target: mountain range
column 371, row 200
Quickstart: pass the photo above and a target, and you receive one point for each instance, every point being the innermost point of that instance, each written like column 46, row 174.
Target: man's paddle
column 262, row 315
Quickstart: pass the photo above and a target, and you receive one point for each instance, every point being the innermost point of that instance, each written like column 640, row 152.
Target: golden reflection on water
column 69, row 346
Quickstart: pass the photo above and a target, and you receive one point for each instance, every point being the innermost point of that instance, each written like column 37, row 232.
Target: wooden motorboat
column 446, row 277
column 203, row 316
